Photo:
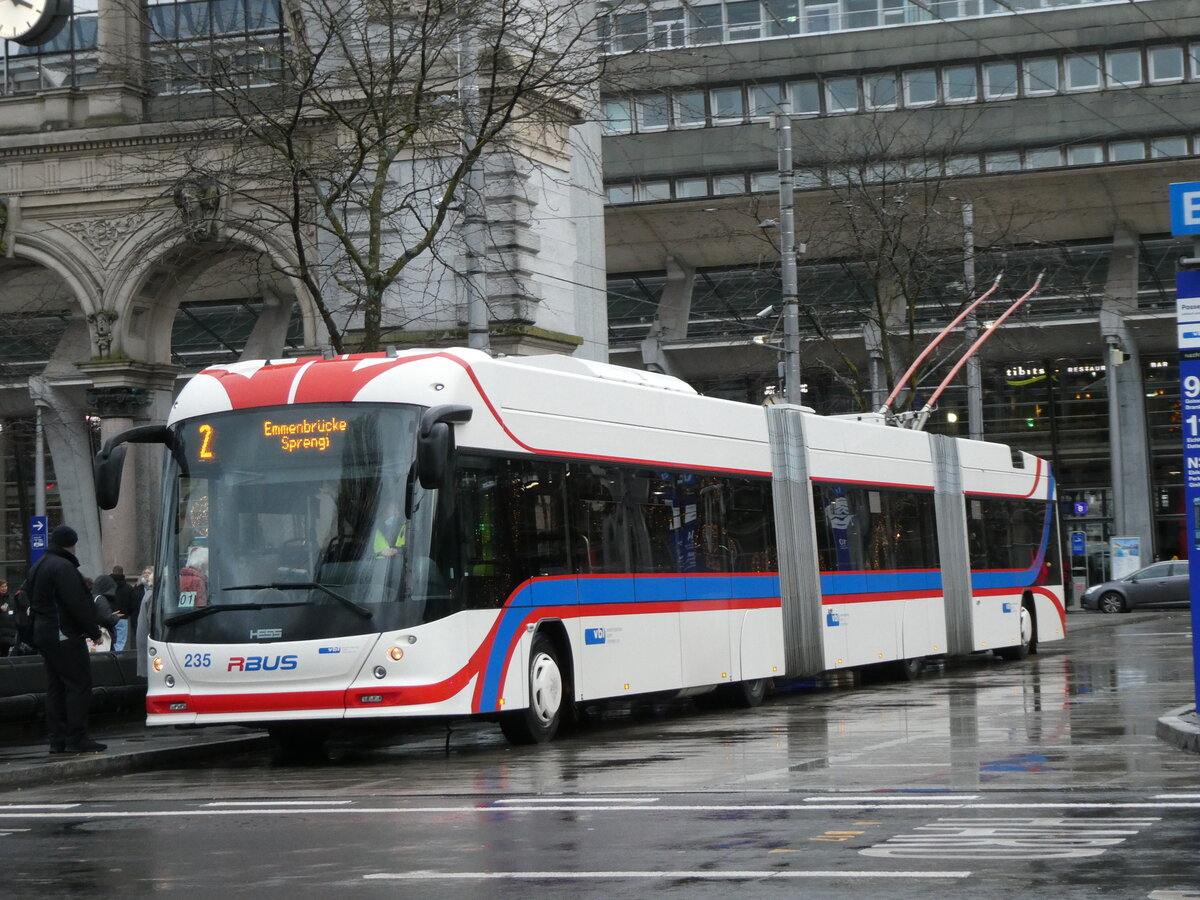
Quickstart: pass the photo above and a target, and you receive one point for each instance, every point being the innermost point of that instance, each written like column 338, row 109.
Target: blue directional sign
column 1185, row 207
column 1187, row 287
column 1081, row 507
column 38, row 532
column 1078, row 543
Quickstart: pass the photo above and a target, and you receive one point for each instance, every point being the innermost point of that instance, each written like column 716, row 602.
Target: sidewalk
column 25, row 760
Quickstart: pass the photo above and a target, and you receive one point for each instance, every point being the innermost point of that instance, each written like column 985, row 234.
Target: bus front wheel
column 539, row 722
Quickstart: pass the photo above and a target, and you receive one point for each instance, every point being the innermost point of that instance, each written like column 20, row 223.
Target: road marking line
column 442, row 810
column 38, row 806
column 277, row 803
column 893, row 798
column 694, row 874
column 577, row 800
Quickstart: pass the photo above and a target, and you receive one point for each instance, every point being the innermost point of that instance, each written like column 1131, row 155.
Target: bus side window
column 598, row 539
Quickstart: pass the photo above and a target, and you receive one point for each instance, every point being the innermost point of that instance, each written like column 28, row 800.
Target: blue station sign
column 1185, row 207
column 38, row 533
column 1187, row 287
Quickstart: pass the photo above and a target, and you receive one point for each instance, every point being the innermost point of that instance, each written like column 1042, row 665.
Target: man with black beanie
column 64, row 615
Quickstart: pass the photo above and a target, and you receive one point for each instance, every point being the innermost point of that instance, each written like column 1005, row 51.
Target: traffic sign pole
column 1185, row 219
column 38, row 533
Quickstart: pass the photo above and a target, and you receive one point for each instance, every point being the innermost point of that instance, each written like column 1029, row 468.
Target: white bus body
column 598, row 531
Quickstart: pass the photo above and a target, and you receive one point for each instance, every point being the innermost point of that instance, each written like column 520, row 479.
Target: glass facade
column 237, row 42
column 669, row 24
column 1055, row 408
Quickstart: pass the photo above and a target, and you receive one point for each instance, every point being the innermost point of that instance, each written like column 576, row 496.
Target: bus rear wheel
column 1025, row 647
column 539, row 722
column 745, row 694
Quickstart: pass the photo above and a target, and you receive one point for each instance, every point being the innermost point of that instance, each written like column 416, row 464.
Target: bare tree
column 893, row 222
column 360, row 140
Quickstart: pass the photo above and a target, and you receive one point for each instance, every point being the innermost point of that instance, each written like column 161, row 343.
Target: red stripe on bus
column 209, row 704
column 1037, row 589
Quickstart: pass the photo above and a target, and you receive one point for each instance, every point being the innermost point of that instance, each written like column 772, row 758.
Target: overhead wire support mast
column 886, row 409
column 923, row 415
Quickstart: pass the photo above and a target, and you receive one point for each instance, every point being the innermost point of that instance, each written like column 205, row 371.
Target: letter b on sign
column 1185, row 208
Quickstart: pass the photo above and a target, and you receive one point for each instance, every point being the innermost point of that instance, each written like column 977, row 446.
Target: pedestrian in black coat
column 64, row 618
column 126, row 603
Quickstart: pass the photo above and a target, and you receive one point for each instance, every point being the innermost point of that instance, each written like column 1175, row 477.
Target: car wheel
column 1111, row 602
column 538, row 723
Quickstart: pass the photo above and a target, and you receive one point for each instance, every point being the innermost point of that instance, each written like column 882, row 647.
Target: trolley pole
column 792, row 388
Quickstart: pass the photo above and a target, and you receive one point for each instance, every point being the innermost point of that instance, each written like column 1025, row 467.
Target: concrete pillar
column 270, row 330
column 671, row 317
column 64, row 418
column 1129, row 445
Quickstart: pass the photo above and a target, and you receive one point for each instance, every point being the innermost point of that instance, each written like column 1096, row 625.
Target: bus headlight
column 395, row 654
column 157, row 664
column 380, row 672
column 169, row 681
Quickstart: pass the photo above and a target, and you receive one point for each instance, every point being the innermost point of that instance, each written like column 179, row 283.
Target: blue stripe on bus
column 616, row 589
column 837, row 583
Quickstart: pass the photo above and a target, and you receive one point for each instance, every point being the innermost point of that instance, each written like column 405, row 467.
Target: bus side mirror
column 109, row 463
column 435, row 443
column 106, row 470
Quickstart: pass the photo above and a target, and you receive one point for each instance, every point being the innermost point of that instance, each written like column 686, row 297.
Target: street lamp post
column 787, row 249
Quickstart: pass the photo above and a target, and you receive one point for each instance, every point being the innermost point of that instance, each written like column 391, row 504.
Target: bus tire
column 912, row 669
column 1023, row 649
column 538, row 723
column 745, row 694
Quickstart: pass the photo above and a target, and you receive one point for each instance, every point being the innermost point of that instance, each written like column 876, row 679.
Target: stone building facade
column 122, row 272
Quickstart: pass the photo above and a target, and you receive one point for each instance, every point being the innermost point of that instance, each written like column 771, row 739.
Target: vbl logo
column 594, row 636
column 262, row 663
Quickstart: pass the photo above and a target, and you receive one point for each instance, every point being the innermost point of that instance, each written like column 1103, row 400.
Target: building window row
column 690, row 187
column 959, row 83
column 189, row 41
column 667, row 25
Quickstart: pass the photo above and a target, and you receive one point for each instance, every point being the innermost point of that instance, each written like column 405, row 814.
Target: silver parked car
column 1162, row 582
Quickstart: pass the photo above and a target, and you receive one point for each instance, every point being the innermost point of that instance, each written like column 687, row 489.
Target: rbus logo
column 262, row 663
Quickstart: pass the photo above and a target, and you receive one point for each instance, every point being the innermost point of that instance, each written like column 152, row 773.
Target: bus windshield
column 295, row 523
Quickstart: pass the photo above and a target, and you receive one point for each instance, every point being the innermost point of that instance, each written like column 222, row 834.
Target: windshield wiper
column 309, row 585
column 199, row 613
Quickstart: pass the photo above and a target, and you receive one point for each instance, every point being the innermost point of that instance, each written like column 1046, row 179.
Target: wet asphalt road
column 986, row 778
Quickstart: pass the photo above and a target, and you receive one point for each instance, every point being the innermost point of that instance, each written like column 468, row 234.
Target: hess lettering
column 262, row 663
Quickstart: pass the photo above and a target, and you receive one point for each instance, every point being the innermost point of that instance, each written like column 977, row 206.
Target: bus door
column 630, row 633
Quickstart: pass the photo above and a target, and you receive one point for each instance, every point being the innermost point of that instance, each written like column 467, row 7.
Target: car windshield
column 293, row 523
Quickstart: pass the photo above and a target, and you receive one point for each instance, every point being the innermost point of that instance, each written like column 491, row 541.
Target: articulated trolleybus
column 440, row 534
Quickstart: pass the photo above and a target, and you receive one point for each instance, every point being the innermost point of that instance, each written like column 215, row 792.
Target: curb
column 48, row 769
column 1181, row 727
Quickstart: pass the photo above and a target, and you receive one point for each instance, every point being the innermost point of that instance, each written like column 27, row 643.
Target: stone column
column 117, row 95
column 125, row 395
column 64, row 419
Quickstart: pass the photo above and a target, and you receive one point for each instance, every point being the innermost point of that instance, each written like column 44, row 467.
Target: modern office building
column 937, row 144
